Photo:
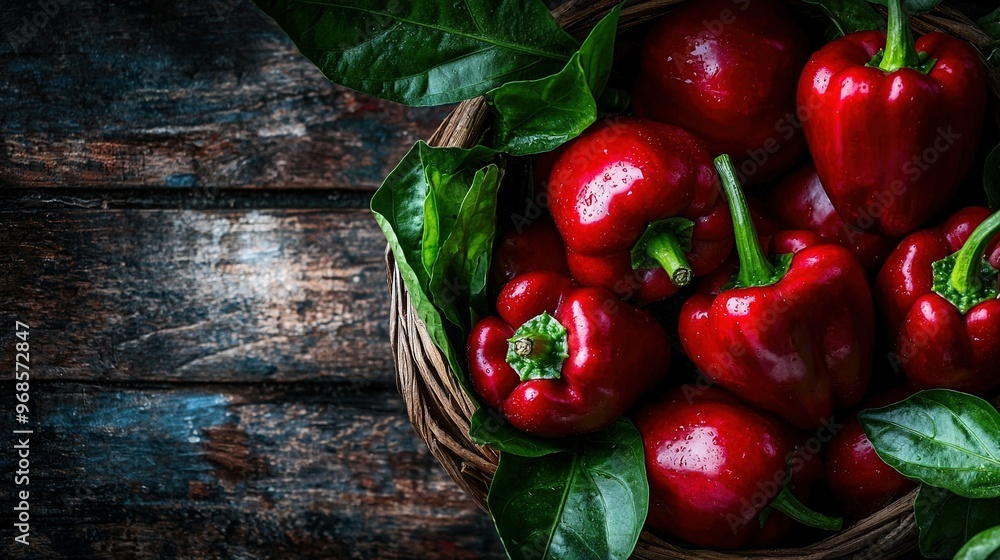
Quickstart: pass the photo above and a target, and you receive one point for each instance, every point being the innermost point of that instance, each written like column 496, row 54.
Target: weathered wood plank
column 197, row 296
column 184, row 94
column 301, row 471
column 58, row 198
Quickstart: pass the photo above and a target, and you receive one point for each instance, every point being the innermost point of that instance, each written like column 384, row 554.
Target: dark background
column 184, row 226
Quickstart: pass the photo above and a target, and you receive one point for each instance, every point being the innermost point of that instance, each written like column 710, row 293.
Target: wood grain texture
column 183, row 94
column 198, row 296
column 261, row 471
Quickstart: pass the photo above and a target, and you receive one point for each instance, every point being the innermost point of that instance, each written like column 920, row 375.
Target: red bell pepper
column 794, row 336
column 714, row 464
column 800, row 202
column 561, row 360
column 893, row 127
column 534, row 246
column 858, row 479
column 638, row 205
column 727, row 72
column 938, row 298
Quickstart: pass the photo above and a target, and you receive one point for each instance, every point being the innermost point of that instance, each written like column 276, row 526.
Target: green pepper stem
column 531, row 346
column 538, row 348
column 965, row 276
column 667, row 250
column 787, row 503
column 755, row 270
column 900, row 49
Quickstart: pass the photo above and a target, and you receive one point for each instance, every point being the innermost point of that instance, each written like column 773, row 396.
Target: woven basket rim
column 440, row 410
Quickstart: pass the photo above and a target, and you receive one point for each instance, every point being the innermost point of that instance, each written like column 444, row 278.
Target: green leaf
column 488, row 428
column 984, row 546
column 424, row 52
column 947, row 520
column 990, row 23
column 448, row 172
column 398, row 206
column 914, row 7
column 465, row 256
column 850, row 16
column 597, row 53
column 590, row 504
column 942, row 438
column 459, row 227
column 436, row 198
column 991, row 179
column 538, row 115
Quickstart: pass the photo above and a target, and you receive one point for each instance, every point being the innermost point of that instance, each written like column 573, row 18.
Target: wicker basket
column 440, row 410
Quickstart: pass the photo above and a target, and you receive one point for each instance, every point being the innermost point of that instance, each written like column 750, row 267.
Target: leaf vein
column 441, row 29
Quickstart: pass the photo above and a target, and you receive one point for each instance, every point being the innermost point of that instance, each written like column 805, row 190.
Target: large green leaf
column 425, row 52
column 947, row 521
column 984, row 546
column 850, row 16
column 590, row 504
column 943, row 438
column 538, row 115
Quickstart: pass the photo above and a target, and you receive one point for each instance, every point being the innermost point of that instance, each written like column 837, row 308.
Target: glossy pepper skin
column 714, row 464
column 528, row 247
column 937, row 345
column 891, row 147
column 608, row 185
column 800, row 202
column 613, row 353
column 798, row 344
column 727, row 72
column 858, row 479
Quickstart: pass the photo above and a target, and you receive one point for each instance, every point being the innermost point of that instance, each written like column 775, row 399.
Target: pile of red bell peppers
column 783, row 221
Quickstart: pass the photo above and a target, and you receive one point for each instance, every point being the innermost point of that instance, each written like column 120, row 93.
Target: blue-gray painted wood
column 234, row 471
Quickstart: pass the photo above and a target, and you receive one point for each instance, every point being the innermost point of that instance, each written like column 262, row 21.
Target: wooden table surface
column 185, row 230
column 183, row 201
